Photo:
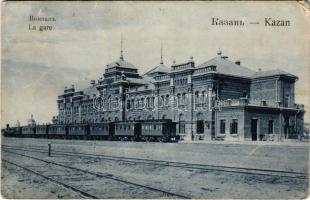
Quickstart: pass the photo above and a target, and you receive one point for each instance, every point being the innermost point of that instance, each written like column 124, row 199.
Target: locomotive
column 143, row 130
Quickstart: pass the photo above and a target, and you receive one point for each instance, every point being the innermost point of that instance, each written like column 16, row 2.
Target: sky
column 36, row 65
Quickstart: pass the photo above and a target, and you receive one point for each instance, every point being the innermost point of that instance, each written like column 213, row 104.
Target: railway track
column 203, row 167
column 87, row 195
column 81, row 175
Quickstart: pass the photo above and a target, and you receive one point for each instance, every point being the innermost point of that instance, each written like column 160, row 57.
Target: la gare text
column 41, row 23
column 268, row 21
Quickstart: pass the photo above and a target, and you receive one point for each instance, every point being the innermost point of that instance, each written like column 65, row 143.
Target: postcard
column 159, row 99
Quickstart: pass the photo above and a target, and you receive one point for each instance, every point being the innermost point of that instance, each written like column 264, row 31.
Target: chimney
column 238, row 62
column 92, row 82
column 259, row 69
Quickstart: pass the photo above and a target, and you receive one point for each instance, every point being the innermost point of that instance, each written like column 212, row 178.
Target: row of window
column 148, row 102
column 124, row 127
column 77, row 128
column 100, row 128
column 234, row 126
column 152, row 127
column 140, row 103
column 180, row 82
column 57, row 129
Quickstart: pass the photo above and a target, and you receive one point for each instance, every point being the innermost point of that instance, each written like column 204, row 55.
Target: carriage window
column 154, row 127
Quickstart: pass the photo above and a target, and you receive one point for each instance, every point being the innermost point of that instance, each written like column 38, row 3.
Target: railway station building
column 218, row 99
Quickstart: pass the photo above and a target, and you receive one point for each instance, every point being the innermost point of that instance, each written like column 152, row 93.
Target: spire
column 219, row 53
column 161, row 55
column 122, row 56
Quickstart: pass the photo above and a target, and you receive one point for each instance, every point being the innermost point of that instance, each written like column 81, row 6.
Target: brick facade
column 196, row 97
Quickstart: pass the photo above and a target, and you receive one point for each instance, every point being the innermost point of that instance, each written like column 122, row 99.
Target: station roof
column 121, row 63
column 227, row 67
column 160, row 68
column 90, row 91
column 274, row 72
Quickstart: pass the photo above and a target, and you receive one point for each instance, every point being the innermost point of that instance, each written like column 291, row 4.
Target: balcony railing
column 254, row 102
column 162, row 77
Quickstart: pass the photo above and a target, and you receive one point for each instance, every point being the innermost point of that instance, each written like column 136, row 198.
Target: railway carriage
column 147, row 130
column 102, row 131
column 127, row 131
column 12, row 131
column 159, row 130
column 41, row 131
column 78, row 131
column 28, row 131
column 58, row 131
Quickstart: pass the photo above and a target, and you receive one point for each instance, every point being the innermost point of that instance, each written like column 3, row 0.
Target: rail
column 229, row 169
column 99, row 175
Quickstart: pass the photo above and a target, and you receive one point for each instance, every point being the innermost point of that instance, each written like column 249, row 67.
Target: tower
column 161, row 55
column 121, row 56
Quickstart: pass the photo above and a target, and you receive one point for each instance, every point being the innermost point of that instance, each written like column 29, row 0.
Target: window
column 183, row 98
column 197, row 97
column 128, row 104
column 222, row 126
column 203, row 94
column 270, row 126
column 162, row 102
column 286, row 101
column 234, row 127
column 181, row 127
column 179, row 99
column 167, row 100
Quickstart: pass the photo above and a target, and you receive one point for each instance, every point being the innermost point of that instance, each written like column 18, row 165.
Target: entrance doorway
column 286, row 127
column 200, row 126
column 254, row 129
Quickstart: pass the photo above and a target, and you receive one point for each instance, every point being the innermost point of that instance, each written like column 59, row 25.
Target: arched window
column 142, row 102
column 197, row 97
column 132, row 103
column 184, row 98
column 116, row 103
column 203, row 96
column 137, row 103
column 179, row 99
column 167, row 100
column 147, row 102
column 128, row 104
column 162, row 101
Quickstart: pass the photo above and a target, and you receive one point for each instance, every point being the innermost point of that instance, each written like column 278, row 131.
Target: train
column 143, row 130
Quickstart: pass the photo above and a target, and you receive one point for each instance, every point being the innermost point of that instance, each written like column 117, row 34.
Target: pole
column 49, row 149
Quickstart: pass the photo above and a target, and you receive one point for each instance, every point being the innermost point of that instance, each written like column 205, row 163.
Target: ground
column 188, row 182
